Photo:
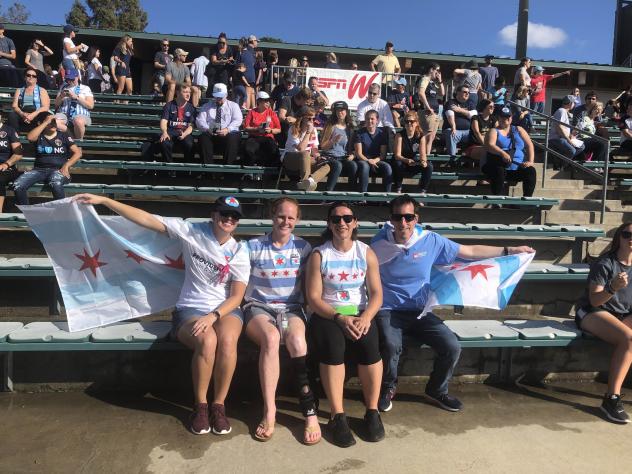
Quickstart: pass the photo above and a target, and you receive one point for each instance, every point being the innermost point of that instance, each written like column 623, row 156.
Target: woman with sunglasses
column 337, row 145
column 207, row 318
column 274, row 314
column 409, row 154
column 605, row 310
column 343, row 290
column 28, row 102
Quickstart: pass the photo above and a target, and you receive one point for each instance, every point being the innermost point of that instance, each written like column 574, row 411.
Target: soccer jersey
column 52, row 152
column 275, row 274
column 344, row 276
column 8, row 136
column 405, row 268
column 210, row 267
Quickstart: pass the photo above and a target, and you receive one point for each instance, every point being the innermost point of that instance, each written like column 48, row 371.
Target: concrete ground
column 552, row 428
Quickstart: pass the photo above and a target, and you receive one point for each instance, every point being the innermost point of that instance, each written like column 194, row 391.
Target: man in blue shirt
column 406, row 254
column 370, row 143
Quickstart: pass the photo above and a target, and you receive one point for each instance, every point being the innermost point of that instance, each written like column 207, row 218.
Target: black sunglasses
column 30, row 75
column 410, row 121
column 626, row 234
column 406, row 217
column 229, row 215
column 347, row 218
column 372, row 93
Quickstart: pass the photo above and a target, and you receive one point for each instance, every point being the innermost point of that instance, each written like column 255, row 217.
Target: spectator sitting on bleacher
column 399, row 100
column 320, row 120
column 456, row 121
column 488, row 73
column 470, row 77
column 373, row 102
column 510, row 156
column 262, row 124
column 176, row 126
column 481, row 123
column 595, row 149
column 287, row 88
column 370, row 146
column 337, row 146
column 521, row 116
column 75, row 100
column 176, row 73
column 219, row 121
column 561, row 138
column 539, row 80
column 409, row 154
column 161, row 59
column 604, row 310
column 301, row 157
column 10, row 153
column 522, row 77
column 625, row 125
column 55, row 153
column 28, row 102
column 312, row 83
column 388, row 65
column 429, row 93
column 581, row 110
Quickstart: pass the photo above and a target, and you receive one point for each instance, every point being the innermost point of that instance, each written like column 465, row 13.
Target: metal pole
column 605, row 185
column 523, row 29
column 546, row 151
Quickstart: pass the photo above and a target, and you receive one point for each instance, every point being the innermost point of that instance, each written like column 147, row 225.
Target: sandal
column 264, row 437
column 308, row 431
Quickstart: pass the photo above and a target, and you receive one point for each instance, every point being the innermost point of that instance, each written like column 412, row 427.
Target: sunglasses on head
column 348, row 218
column 229, row 215
column 626, row 234
column 406, row 217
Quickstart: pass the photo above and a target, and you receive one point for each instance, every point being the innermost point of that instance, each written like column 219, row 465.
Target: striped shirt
column 72, row 108
column 275, row 277
column 344, row 276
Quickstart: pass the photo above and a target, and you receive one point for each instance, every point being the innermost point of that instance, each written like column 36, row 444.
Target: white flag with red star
column 108, row 268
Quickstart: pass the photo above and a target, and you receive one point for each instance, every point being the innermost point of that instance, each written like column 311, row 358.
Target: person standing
column 488, row 73
column 161, row 59
column 539, row 80
column 35, row 58
column 388, row 65
column 431, row 90
column 70, row 51
column 7, row 49
column 122, row 56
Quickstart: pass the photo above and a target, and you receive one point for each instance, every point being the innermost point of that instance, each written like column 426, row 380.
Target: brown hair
column 295, row 130
column 277, row 203
column 412, row 115
column 615, row 243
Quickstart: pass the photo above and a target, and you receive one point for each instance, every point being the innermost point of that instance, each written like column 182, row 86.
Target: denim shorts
column 182, row 315
column 253, row 309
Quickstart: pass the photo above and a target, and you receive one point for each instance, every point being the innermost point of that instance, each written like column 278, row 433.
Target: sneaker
column 374, row 426
column 221, row 425
column 199, row 419
column 613, row 408
column 339, row 428
column 307, row 184
column 385, row 402
column 445, row 401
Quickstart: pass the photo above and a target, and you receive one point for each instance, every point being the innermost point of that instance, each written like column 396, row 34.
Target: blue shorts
column 253, row 309
column 182, row 315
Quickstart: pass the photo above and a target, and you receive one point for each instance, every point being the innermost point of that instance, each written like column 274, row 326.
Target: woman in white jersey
column 207, row 318
column 274, row 313
column 343, row 290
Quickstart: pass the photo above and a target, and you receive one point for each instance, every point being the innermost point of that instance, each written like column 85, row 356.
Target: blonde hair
column 122, row 44
column 293, row 62
column 332, row 56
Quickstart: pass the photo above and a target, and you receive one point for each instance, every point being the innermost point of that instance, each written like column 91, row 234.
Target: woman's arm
column 27, row 59
column 397, row 149
column 528, row 151
column 374, row 288
column 477, row 132
column 16, row 103
column 44, row 101
column 490, row 144
column 138, row 216
column 314, row 287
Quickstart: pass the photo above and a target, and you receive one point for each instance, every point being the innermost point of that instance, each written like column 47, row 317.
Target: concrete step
column 557, row 193
column 581, row 204
column 561, row 216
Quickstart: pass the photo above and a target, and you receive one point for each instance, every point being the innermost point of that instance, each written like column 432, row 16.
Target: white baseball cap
column 220, row 91
column 263, row 95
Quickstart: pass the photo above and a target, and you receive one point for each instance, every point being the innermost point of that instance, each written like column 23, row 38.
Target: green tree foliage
column 16, row 13
column 124, row 15
column 270, row 39
column 78, row 16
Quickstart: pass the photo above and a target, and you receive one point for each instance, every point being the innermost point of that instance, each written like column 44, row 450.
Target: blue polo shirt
column 371, row 144
column 248, row 58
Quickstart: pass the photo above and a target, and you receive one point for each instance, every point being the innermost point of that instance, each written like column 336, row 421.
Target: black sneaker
column 373, row 425
column 445, row 401
column 385, row 402
column 613, row 408
column 339, row 428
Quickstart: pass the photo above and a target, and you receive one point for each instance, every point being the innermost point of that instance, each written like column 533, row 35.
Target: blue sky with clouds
column 569, row 30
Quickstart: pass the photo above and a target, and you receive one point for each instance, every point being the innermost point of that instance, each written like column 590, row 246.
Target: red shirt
column 540, row 96
column 256, row 118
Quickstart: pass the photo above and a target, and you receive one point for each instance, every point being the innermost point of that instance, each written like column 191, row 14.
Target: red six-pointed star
column 275, row 273
column 177, row 264
column 134, row 256
column 477, row 269
column 343, row 276
column 90, row 262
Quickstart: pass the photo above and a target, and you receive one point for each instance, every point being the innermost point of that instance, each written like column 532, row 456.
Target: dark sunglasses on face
column 372, row 93
column 336, row 219
column 410, row 121
column 229, row 215
column 406, row 217
column 165, row 45
column 626, row 234
column 30, row 75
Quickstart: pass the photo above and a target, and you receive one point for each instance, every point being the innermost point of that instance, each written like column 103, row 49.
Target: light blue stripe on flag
column 508, row 266
column 445, row 288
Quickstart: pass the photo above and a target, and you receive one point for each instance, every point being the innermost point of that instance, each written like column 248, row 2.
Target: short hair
column 483, row 104
column 432, row 66
column 374, row 87
column 500, row 81
column 181, row 87
column 310, row 79
column 304, row 93
column 402, row 200
column 371, row 112
column 277, row 203
column 320, row 102
column 327, row 233
column 461, row 88
column 590, row 94
column 524, row 60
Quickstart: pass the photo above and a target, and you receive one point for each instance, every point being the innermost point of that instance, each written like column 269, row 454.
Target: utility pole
column 523, row 29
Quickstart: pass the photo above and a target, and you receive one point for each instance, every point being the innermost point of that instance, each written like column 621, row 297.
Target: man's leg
column 24, row 182
column 205, row 144
column 166, row 149
column 251, row 149
column 56, row 181
column 451, row 141
column 391, row 349
column 231, row 147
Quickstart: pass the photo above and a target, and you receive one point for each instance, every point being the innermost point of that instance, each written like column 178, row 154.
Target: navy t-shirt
column 178, row 118
column 371, row 144
column 248, row 58
column 8, row 136
column 53, row 152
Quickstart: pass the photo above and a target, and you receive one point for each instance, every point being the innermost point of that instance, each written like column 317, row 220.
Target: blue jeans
column 240, row 94
column 338, row 167
column 400, row 171
column 68, row 64
column 564, row 147
column 538, row 106
column 52, row 177
column 451, row 142
column 383, row 169
column 428, row 330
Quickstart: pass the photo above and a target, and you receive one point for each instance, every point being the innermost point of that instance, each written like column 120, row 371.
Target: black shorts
column 331, row 347
column 582, row 312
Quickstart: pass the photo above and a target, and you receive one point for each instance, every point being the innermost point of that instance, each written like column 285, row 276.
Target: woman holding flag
column 343, row 289
column 207, row 318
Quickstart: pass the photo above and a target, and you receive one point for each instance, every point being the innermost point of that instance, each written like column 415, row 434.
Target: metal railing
column 604, row 178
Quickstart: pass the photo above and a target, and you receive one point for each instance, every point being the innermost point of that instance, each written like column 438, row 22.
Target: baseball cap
column 71, row 74
column 227, row 204
column 340, row 104
column 539, row 69
column 252, row 38
column 69, row 28
column 180, row 51
column 471, row 65
column 568, row 99
column 505, row 112
column 401, row 81
column 263, row 95
column 389, row 44
column 220, row 91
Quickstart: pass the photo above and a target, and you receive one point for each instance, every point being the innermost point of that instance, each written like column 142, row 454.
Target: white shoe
column 307, row 184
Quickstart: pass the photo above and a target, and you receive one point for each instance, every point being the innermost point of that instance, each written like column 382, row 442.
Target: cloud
column 540, row 36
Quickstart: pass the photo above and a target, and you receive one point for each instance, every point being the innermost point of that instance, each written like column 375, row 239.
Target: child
column 498, row 93
column 239, row 84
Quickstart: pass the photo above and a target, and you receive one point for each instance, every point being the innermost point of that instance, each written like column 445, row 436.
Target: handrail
column 547, row 150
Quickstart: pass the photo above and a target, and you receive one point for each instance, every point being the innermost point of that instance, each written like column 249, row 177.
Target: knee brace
column 306, row 399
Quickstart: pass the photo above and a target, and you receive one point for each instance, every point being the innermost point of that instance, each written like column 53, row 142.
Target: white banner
column 347, row 85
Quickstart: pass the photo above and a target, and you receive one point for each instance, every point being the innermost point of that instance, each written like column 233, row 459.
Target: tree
column 270, row 39
column 125, row 15
column 78, row 16
column 16, row 13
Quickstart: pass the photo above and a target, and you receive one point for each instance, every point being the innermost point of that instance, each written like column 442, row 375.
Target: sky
column 566, row 30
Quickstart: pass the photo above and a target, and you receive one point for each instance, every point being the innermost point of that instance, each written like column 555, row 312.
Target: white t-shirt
column 292, row 142
column 95, row 65
column 382, row 108
column 560, row 114
column 69, row 42
column 197, row 71
column 205, row 288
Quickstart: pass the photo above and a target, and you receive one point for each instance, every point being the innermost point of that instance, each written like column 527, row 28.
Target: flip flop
column 264, row 424
column 310, row 430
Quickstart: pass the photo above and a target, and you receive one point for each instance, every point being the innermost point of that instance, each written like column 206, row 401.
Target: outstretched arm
column 138, row 216
column 472, row 252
